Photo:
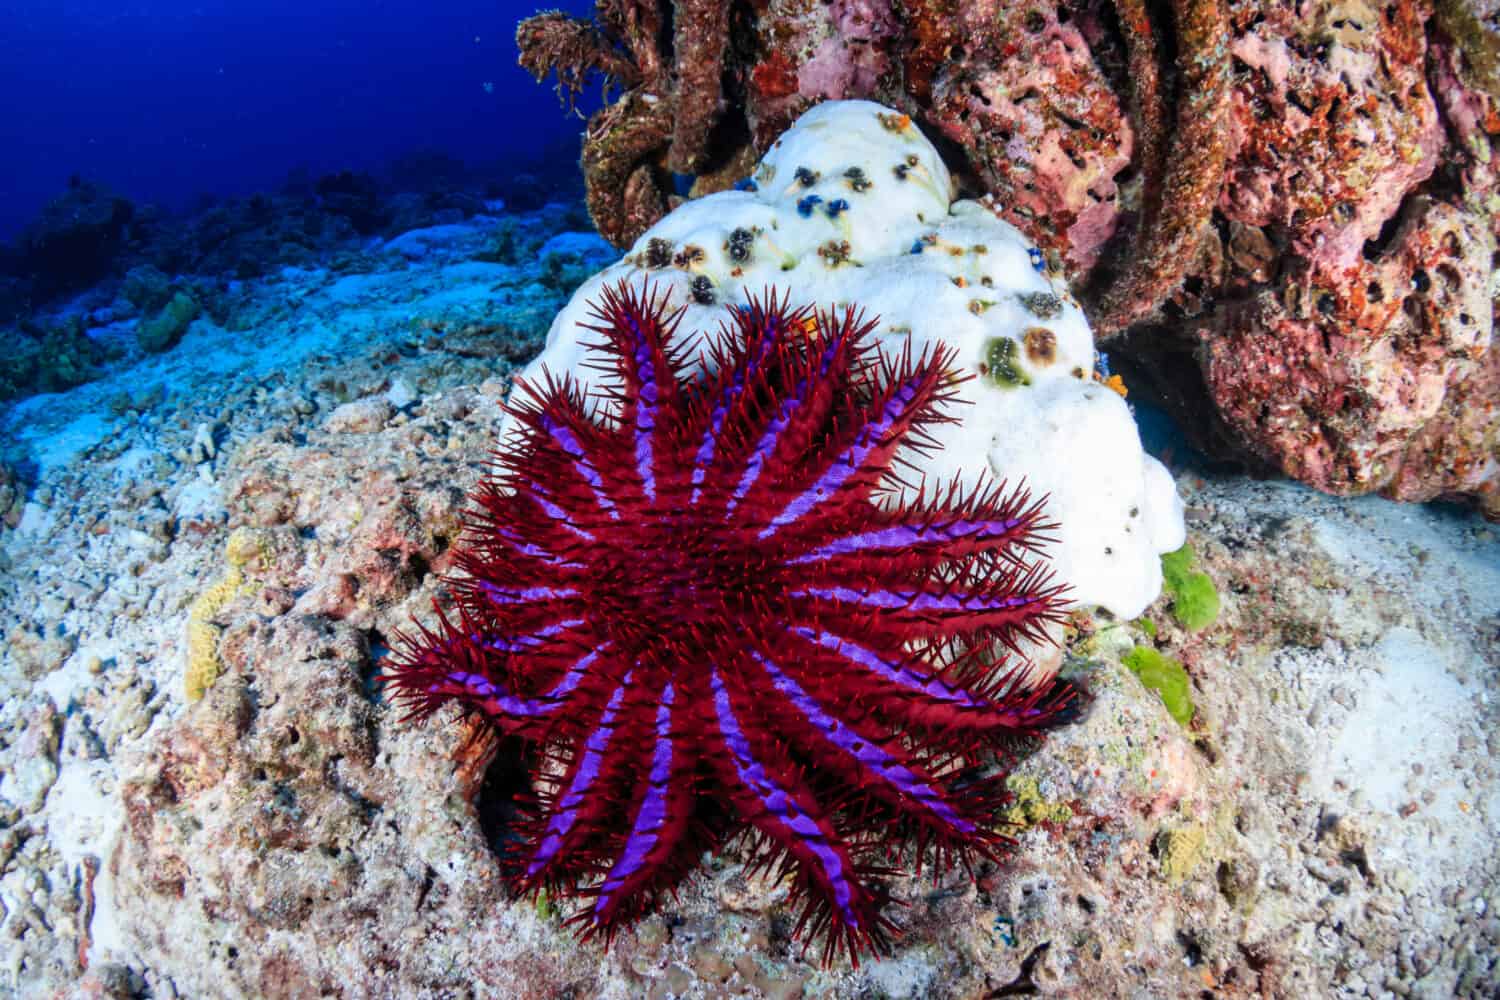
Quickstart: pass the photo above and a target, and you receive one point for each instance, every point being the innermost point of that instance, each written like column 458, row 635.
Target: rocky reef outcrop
column 1284, row 218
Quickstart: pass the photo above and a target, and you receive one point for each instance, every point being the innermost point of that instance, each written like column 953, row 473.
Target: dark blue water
column 169, row 100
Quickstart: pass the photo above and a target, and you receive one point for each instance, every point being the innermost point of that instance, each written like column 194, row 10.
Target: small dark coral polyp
column 706, row 616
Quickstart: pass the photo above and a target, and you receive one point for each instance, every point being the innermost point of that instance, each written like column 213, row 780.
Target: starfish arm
column 749, row 356
column 474, row 668
column 968, row 699
column 1012, row 603
column 772, row 800
column 557, row 508
column 639, row 332
column 845, row 748
column 565, row 467
column 659, row 847
column 867, row 443
column 860, row 667
column 820, row 376
column 503, row 530
column 581, row 805
column 928, row 533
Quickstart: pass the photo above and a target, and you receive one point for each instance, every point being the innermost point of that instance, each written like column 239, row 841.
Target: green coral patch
column 1195, row 602
column 1166, row 677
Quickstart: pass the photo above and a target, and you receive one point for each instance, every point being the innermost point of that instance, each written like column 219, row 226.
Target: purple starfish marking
column 871, row 757
column 915, row 601
column 898, row 674
column 905, row 535
column 570, row 447
column 653, row 815
column 583, row 778
column 780, row 803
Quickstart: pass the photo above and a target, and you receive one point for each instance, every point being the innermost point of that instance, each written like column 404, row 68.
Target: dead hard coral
column 1041, row 125
column 620, row 148
column 556, row 43
column 700, row 32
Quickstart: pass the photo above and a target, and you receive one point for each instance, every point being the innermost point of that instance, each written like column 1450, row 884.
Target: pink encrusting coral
column 1048, row 134
column 1368, row 364
column 709, row 615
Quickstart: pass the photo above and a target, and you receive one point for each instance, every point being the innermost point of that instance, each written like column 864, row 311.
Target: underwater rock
column 12, row 495
column 166, row 328
column 1231, row 217
column 354, row 196
column 76, row 239
column 31, row 765
column 362, row 416
column 146, row 288
column 1386, row 382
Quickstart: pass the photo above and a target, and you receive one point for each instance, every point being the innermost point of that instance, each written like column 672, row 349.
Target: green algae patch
column 1000, row 364
column 1166, row 677
column 1028, row 806
column 1195, row 602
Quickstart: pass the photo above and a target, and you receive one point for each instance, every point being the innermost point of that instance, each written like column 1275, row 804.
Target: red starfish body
column 711, row 610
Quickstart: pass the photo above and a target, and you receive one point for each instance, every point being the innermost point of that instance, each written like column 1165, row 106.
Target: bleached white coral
column 853, row 206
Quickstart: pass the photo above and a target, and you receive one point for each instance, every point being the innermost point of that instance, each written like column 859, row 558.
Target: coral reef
column 1284, row 219
column 92, row 265
column 852, row 205
column 289, row 808
column 76, row 239
column 736, row 630
column 47, row 357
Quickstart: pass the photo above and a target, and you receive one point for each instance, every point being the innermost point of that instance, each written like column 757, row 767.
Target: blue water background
column 167, row 101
